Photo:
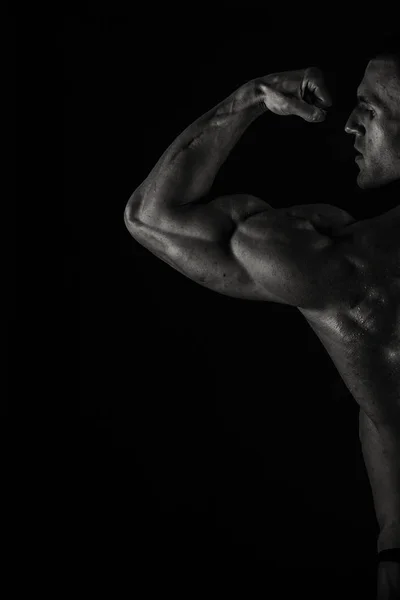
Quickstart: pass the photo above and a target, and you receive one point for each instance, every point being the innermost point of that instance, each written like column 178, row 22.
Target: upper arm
column 298, row 253
column 240, row 246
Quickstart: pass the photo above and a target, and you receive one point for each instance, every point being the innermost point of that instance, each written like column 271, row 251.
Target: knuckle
column 311, row 116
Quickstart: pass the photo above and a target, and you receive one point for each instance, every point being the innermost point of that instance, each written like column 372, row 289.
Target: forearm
column 388, row 581
column 381, row 452
column 187, row 169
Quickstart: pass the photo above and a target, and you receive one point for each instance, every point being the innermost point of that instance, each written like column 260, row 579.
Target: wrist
column 273, row 100
column 389, row 537
column 390, row 554
column 250, row 95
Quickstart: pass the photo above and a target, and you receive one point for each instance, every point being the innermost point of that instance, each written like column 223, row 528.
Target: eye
column 367, row 108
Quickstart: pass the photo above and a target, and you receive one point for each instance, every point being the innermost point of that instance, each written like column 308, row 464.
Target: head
column 375, row 120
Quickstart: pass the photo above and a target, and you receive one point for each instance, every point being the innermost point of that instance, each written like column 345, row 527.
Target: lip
column 359, row 154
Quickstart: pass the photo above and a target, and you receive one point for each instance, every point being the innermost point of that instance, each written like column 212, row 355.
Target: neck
column 376, row 201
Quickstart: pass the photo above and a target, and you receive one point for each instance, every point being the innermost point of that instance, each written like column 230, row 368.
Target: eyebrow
column 368, row 99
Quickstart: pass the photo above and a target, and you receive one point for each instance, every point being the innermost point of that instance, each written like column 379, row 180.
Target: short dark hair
column 387, row 44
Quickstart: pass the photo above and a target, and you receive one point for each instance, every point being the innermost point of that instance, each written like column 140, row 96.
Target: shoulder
column 299, row 253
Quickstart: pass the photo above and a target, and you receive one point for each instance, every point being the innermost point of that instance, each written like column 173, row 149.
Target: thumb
column 306, row 111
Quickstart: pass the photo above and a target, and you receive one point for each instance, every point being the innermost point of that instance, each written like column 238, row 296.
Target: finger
column 320, row 104
column 311, row 98
column 323, row 96
column 306, row 111
column 318, row 86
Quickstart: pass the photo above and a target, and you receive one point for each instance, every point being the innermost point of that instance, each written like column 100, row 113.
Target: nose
column 353, row 125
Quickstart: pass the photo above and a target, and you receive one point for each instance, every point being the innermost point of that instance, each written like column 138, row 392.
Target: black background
column 215, row 434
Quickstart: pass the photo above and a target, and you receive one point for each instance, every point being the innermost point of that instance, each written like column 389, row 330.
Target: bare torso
column 362, row 333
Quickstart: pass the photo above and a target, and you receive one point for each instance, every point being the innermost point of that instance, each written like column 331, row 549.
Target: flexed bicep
column 196, row 241
column 295, row 253
column 241, row 247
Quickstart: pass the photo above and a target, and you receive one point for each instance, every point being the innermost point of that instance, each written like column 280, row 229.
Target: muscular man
column 342, row 275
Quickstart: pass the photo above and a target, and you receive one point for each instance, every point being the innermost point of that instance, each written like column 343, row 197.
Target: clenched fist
column 302, row 93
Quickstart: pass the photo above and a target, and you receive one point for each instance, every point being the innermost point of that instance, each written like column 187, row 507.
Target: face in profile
column 375, row 123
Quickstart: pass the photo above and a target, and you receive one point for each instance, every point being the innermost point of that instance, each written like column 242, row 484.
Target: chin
column 365, row 183
column 362, row 183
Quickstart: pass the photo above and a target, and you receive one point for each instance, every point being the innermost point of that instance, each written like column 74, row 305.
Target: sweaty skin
column 375, row 123
column 342, row 275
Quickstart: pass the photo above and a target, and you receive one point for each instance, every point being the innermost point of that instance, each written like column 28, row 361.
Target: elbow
column 132, row 208
column 128, row 214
